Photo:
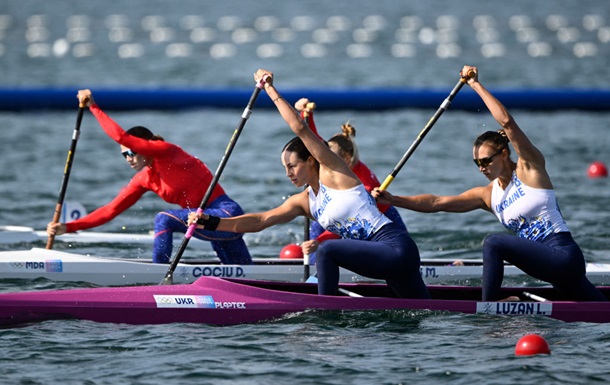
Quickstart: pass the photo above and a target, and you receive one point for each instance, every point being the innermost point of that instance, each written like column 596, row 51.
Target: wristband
column 211, row 223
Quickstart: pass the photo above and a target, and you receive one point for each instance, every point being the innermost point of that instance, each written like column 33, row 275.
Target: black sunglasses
column 128, row 153
column 484, row 162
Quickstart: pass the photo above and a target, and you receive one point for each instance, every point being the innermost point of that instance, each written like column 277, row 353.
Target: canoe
column 104, row 271
column 11, row 234
column 219, row 301
column 70, row 267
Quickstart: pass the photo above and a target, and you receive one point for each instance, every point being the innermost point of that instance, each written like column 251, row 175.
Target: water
column 358, row 348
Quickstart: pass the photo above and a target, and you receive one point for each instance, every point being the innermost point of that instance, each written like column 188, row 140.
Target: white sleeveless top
column 351, row 213
column 531, row 213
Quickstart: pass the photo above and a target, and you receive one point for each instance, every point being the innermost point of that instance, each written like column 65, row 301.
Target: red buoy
column 597, row 170
column 291, row 251
column 532, row 344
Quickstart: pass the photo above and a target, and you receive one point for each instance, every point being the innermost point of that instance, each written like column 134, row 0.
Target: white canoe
column 22, row 234
column 61, row 266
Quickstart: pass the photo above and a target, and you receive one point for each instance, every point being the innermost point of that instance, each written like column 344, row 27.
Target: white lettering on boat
column 184, row 301
column 515, row 308
column 230, row 305
column 219, row 271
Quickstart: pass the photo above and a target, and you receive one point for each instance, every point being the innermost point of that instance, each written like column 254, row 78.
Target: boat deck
column 444, row 292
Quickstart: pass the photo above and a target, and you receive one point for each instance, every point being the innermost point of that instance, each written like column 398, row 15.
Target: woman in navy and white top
column 371, row 244
column 521, row 196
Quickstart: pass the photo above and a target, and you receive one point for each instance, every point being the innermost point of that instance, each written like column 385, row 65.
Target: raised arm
column 531, row 162
column 338, row 173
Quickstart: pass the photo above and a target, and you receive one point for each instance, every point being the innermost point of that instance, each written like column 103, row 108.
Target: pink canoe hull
column 217, row 301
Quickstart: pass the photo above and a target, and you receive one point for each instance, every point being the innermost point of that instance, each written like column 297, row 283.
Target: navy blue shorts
column 557, row 259
column 229, row 247
column 390, row 254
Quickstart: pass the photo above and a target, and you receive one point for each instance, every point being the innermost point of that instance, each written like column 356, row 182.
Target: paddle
column 444, row 106
column 534, row 297
column 306, row 265
column 67, row 169
column 168, row 279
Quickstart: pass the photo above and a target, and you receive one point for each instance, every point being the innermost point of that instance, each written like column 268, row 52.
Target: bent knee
column 491, row 240
column 161, row 217
column 494, row 245
column 322, row 250
column 166, row 220
column 326, row 249
column 497, row 241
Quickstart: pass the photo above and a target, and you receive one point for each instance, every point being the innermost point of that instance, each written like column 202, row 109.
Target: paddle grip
column 262, row 81
column 386, row 183
column 193, row 226
column 311, row 106
column 469, row 75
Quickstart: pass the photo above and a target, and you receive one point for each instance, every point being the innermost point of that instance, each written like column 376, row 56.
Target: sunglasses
column 128, row 153
column 484, row 162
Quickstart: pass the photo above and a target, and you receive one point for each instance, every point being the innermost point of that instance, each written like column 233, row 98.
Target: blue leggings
column 229, row 247
column 315, row 229
column 557, row 260
column 390, row 254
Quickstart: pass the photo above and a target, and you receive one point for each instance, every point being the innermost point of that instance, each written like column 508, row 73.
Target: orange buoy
column 532, row 344
column 291, row 251
column 597, row 170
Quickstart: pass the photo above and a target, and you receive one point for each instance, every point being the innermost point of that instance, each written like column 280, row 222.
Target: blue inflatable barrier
column 20, row 99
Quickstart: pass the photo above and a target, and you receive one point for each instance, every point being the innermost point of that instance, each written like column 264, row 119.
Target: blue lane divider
column 372, row 99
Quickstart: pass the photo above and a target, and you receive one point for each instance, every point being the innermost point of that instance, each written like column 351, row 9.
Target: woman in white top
column 371, row 244
column 521, row 196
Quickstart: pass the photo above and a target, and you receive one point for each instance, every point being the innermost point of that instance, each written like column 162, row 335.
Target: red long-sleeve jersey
column 174, row 175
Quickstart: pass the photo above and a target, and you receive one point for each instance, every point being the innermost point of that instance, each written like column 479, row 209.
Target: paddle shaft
column 306, row 270
column 168, row 279
column 534, row 297
column 306, row 256
column 67, row 169
column 444, row 106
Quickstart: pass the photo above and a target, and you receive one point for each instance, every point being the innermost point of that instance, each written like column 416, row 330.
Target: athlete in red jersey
column 175, row 176
column 343, row 145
